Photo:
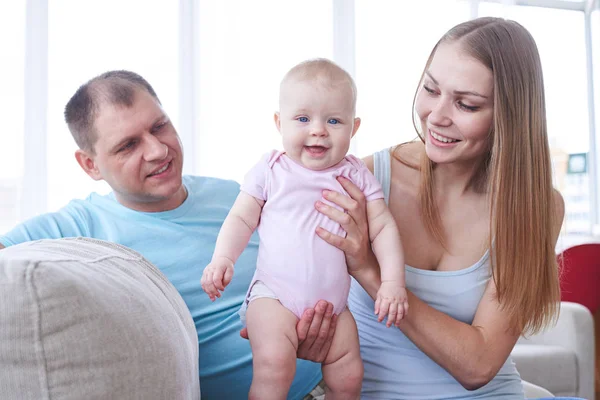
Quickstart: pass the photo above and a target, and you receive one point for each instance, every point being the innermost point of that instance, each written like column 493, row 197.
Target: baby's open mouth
column 316, row 150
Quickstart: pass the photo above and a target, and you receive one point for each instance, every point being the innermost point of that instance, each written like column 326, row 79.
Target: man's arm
column 70, row 221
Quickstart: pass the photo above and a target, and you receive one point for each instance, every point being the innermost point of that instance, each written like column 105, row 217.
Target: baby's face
column 316, row 123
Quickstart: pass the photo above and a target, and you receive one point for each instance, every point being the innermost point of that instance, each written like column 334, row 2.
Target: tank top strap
column 383, row 171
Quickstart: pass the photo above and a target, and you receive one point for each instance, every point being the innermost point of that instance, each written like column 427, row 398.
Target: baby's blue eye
column 302, row 119
column 333, row 121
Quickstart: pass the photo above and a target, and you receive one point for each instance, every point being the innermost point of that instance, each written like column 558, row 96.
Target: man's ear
column 356, row 126
column 87, row 163
column 277, row 119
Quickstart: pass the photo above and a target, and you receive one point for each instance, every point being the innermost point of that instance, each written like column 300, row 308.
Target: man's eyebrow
column 122, row 142
column 161, row 118
column 461, row 92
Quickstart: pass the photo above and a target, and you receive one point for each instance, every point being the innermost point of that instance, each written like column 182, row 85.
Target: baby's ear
column 356, row 126
column 277, row 120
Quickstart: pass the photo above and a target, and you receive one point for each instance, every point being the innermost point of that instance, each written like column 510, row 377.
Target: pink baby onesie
column 295, row 263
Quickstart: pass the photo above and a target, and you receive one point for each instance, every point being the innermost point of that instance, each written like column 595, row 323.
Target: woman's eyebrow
column 461, row 92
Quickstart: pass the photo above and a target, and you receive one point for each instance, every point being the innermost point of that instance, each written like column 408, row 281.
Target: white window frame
column 34, row 182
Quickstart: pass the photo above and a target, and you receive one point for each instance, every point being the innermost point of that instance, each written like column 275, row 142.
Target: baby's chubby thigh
column 274, row 343
column 343, row 367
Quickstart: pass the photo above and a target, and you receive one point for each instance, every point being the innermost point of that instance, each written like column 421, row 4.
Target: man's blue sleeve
column 68, row 222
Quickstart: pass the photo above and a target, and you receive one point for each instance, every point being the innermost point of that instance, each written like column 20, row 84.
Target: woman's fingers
column 334, row 240
column 335, row 214
column 357, row 202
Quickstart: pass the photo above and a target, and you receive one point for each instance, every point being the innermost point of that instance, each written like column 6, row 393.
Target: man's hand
column 315, row 332
column 216, row 276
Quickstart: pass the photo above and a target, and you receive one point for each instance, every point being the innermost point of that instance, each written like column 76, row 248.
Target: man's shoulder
column 93, row 203
column 205, row 184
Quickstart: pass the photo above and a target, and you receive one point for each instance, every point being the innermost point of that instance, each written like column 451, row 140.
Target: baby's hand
column 392, row 301
column 216, row 276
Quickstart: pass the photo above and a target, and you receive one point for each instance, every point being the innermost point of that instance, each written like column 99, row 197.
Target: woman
column 478, row 217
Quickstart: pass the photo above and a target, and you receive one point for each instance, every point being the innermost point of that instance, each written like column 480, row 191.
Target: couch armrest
column 574, row 331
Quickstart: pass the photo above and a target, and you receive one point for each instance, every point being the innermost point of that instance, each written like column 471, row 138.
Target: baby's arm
column 385, row 239
column 233, row 238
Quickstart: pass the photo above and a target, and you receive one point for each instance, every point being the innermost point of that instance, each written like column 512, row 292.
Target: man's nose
column 154, row 149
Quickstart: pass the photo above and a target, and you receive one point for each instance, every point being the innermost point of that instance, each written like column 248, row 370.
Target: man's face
column 138, row 153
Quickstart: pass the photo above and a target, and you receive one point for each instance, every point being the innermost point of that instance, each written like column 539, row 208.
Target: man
column 125, row 138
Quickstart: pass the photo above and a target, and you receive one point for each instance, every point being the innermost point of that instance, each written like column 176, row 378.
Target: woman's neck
column 458, row 179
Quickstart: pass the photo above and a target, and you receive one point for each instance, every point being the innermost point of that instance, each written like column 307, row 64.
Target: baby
column 295, row 267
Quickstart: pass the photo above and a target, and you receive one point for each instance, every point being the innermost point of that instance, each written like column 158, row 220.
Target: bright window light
column 245, row 49
column 12, row 61
column 393, row 41
column 87, row 38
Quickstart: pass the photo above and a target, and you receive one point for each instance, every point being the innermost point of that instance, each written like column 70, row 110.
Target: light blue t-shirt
column 397, row 369
column 180, row 243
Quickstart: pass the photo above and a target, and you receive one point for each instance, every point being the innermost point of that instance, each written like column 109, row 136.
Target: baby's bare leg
column 272, row 334
column 343, row 367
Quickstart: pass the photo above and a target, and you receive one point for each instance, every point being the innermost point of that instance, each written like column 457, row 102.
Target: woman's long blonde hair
column 516, row 174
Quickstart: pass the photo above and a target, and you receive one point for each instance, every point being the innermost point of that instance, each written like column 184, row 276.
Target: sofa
column 86, row 319
column 561, row 359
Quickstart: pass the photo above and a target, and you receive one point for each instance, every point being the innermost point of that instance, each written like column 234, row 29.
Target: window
column 12, row 60
column 245, row 49
column 88, row 38
column 393, row 41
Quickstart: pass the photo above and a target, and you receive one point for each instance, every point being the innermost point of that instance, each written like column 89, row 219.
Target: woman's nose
column 440, row 113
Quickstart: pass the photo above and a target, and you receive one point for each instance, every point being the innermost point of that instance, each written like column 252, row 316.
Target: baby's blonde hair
column 322, row 72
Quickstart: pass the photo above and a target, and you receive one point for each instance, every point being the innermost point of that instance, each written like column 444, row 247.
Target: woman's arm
column 473, row 353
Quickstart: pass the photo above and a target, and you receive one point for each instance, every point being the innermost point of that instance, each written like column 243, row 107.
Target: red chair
column 580, row 275
column 580, row 283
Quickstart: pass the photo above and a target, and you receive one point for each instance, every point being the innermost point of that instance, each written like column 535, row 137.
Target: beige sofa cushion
column 552, row 367
column 82, row 318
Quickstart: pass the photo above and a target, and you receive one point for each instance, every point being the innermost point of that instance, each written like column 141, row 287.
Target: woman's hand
column 356, row 245
column 315, row 332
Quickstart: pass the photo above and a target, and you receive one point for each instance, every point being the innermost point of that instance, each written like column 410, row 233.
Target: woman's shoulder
column 409, row 153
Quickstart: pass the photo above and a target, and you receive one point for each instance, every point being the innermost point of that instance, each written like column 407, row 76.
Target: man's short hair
column 112, row 87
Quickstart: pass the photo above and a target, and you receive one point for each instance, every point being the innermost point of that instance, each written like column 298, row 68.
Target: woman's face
column 456, row 107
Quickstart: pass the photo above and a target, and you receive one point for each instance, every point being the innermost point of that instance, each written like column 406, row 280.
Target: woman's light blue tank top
column 394, row 367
